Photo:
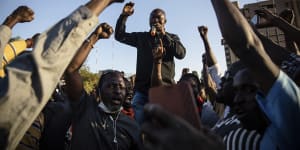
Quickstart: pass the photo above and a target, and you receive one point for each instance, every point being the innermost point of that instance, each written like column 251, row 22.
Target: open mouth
column 116, row 101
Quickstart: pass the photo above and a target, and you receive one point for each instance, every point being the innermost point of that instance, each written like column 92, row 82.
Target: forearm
column 156, row 77
column 96, row 6
column 291, row 31
column 210, row 86
column 74, row 85
column 120, row 27
column 39, row 73
column 173, row 43
column 210, row 57
column 245, row 44
column 276, row 52
column 82, row 53
column 291, row 46
column 10, row 21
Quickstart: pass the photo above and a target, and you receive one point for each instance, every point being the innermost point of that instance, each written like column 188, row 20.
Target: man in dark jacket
column 145, row 42
column 99, row 125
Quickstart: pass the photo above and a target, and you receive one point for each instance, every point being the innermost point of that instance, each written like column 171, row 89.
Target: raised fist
column 203, row 31
column 104, row 31
column 23, row 14
column 128, row 9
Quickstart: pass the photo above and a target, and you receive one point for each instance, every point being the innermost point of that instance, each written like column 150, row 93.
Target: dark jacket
column 144, row 43
column 93, row 128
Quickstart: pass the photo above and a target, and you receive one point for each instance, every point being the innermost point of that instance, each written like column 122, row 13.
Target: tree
column 89, row 79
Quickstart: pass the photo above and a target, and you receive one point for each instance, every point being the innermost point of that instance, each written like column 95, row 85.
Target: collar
column 106, row 110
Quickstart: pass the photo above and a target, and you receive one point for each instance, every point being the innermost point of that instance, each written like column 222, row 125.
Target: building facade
column 273, row 33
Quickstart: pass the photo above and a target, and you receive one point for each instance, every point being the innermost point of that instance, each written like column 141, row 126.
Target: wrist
column 158, row 61
column 90, row 43
column 124, row 15
column 10, row 21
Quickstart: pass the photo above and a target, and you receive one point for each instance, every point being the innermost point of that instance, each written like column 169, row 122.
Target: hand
column 128, row 9
column 164, row 131
column 266, row 14
column 158, row 52
column 23, row 14
column 104, row 31
column 203, row 31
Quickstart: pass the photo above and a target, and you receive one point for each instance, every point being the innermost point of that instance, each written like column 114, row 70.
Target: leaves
column 89, row 78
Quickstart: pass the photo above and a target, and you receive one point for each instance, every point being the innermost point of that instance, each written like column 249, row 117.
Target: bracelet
column 90, row 42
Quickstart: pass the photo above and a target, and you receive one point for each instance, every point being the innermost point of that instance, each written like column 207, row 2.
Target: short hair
column 158, row 10
column 109, row 73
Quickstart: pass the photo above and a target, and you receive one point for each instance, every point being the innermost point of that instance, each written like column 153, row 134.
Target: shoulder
column 171, row 34
column 128, row 122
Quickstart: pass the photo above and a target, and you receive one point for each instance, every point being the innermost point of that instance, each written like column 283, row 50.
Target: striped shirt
column 235, row 137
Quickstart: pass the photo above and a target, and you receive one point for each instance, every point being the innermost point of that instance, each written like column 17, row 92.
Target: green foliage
column 89, row 79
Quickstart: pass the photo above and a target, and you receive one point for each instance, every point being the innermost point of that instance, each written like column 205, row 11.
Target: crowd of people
column 253, row 105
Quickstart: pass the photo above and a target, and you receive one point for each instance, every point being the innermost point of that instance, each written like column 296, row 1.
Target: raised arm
column 19, row 15
column 291, row 31
column 210, row 85
column 245, row 44
column 120, row 30
column 38, row 73
column 74, row 84
column 210, row 57
column 156, row 77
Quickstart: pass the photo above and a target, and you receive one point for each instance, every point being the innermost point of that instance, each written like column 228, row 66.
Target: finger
column 161, row 43
column 131, row 4
column 110, row 30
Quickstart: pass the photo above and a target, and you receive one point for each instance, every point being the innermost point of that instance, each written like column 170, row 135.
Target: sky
column 183, row 18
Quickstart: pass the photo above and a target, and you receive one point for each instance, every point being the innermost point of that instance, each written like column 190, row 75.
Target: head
column 112, row 90
column 158, row 19
column 185, row 71
column 194, row 82
column 245, row 104
column 226, row 93
column 129, row 94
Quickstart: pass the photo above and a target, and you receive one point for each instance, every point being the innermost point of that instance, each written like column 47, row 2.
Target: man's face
column 158, row 20
column 113, row 92
column 127, row 103
column 226, row 93
column 244, row 104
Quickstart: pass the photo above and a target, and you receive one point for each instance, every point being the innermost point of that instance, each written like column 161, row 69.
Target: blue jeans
column 138, row 102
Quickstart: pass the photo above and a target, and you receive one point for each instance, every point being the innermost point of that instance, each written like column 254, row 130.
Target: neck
column 107, row 110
